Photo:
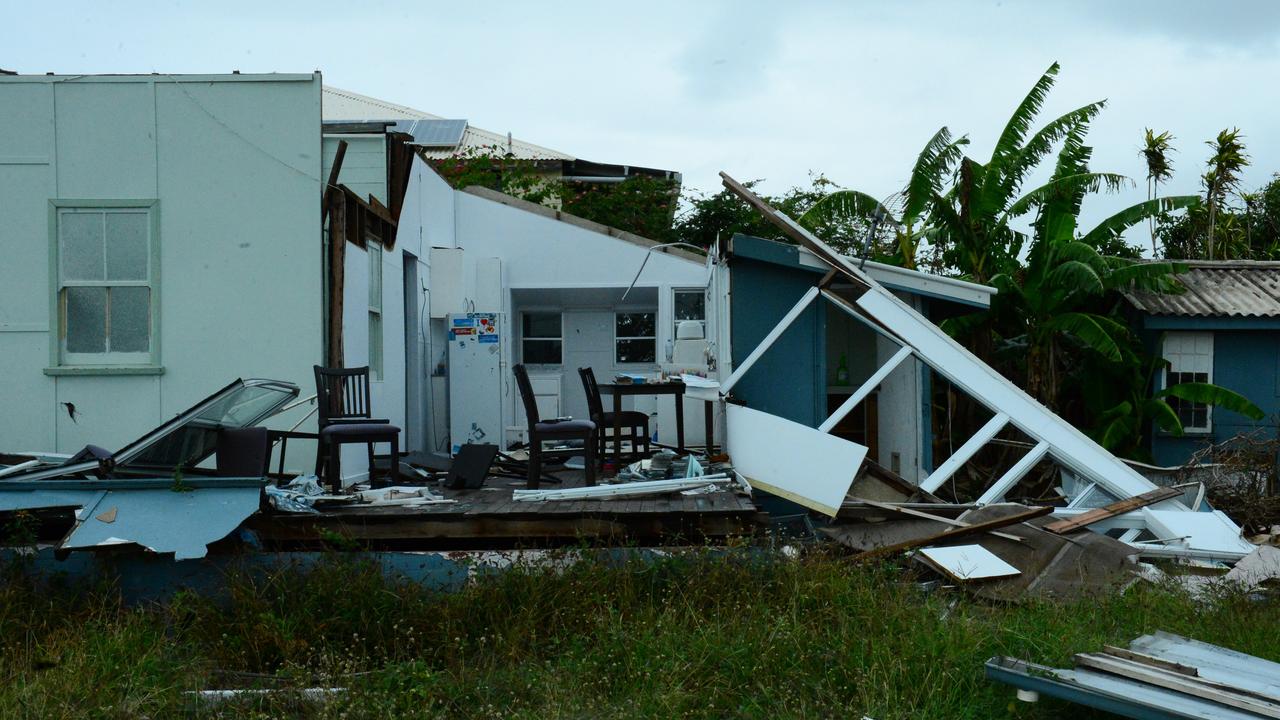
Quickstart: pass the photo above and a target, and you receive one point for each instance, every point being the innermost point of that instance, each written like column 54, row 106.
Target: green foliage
column 700, row 634
column 1247, row 231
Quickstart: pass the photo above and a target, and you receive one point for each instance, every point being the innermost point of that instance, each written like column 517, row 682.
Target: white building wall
column 535, row 251
column 900, row 410
column 234, row 162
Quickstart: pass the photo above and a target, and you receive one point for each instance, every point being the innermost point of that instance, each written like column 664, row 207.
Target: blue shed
column 1225, row 329
column 826, row 355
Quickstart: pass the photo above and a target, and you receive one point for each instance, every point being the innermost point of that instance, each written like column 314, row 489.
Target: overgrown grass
column 701, row 635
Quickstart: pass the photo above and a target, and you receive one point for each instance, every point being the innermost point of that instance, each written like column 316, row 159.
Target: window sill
column 104, row 370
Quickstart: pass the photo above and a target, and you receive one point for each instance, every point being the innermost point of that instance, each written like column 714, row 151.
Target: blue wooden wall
column 789, row 380
column 1245, row 360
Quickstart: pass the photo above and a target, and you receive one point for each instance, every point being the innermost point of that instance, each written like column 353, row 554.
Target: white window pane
column 375, row 346
column 86, row 319
column 375, row 275
column 690, row 305
column 127, row 246
column 80, row 248
column 130, row 319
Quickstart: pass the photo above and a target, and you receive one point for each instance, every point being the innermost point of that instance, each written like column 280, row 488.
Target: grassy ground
column 695, row 636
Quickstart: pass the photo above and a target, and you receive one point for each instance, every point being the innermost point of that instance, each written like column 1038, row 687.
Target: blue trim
column 1047, row 684
column 770, row 251
column 1161, row 322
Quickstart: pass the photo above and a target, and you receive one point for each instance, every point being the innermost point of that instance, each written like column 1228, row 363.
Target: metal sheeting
column 1218, row 289
column 1108, row 692
column 432, row 133
column 1214, row 663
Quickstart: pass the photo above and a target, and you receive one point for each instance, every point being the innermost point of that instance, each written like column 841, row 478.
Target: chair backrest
column 243, row 452
column 342, row 393
column 526, row 394
column 595, row 406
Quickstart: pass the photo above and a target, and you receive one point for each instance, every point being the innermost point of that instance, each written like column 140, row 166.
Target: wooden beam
column 928, row 516
column 1119, row 507
column 959, row 532
column 333, row 179
column 964, row 453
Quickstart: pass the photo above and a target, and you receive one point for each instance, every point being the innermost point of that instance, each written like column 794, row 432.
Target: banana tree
column 1118, row 397
column 930, row 173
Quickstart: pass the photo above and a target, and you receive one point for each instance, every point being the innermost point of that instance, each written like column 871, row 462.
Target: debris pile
column 1161, row 675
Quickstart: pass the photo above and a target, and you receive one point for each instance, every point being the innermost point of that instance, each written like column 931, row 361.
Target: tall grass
column 697, row 635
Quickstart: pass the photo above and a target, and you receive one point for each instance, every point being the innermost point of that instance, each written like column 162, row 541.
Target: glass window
column 375, row 307
column 105, row 285
column 1190, row 356
column 690, row 305
column 635, row 337
column 541, row 338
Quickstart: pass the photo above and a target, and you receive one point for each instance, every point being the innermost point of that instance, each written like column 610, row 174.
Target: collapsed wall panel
column 794, row 461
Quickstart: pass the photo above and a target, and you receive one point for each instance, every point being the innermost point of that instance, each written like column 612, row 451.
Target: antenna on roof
column 888, row 209
column 510, row 151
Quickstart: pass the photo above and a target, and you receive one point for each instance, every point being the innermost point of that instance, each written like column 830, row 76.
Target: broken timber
column 1054, row 439
column 957, row 532
column 1119, row 507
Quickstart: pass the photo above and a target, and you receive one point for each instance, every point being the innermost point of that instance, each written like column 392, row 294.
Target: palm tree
column 1156, row 152
column 1223, row 176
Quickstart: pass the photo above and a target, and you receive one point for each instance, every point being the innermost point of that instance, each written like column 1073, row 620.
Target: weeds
column 702, row 634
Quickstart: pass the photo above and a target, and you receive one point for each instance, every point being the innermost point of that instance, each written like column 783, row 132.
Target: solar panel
column 434, row 133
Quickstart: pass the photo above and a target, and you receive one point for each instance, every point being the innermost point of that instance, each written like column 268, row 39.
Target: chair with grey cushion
column 541, row 431
column 345, row 417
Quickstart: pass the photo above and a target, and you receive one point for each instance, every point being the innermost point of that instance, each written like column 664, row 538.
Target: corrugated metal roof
column 1218, row 289
column 338, row 104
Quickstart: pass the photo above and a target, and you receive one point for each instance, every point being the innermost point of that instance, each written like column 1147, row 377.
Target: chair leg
column 535, row 463
column 395, row 460
column 590, row 464
column 372, row 482
column 333, row 469
column 319, row 456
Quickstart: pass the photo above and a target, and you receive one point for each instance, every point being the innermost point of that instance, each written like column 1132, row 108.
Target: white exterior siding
column 535, row 252
column 234, row 165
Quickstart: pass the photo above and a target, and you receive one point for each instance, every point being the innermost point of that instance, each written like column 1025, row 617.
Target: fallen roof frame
column 1054, row 437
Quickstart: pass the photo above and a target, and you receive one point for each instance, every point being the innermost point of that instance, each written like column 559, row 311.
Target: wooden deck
column 489, row 518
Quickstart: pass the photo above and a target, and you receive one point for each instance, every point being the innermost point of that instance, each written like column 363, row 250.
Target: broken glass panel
column 86, row 309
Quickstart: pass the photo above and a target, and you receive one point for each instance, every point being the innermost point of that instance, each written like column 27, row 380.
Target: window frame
column 134, row 363
column 524, row 338
column 675, row 321
column 617, row 338
column 1172, row 357
column 377, row 350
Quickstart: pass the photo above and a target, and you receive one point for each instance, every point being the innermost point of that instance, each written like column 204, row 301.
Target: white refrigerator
column 475, row 379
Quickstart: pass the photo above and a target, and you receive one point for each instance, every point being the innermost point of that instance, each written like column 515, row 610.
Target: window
column 690, row 305
column 635, row 338
column 105, row 260
column 541, row 340
column 1190, row 356
column 375, row 308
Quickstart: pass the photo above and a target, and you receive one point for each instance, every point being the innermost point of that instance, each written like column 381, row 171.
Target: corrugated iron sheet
column 1218, row 289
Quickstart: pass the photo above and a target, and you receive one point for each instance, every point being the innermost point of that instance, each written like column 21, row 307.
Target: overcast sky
column 766, row 90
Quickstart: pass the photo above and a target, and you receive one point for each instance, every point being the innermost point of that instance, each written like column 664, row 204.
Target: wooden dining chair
column 543, row 430
column 345, row 417
column 633, row 425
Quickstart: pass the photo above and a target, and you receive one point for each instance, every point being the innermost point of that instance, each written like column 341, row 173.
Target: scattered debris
column 1158, row 676
column 629, row 489
column 967, row 562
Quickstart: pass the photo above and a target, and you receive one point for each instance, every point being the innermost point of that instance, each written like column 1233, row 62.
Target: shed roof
column 1236, row 288
column 339, row 104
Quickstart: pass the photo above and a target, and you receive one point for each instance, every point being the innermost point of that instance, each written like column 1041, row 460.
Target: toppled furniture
column 541, row 431
column 633, row 422
column 345, row 417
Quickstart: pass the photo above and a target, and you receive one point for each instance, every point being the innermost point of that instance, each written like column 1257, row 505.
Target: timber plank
column 1116, row 508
